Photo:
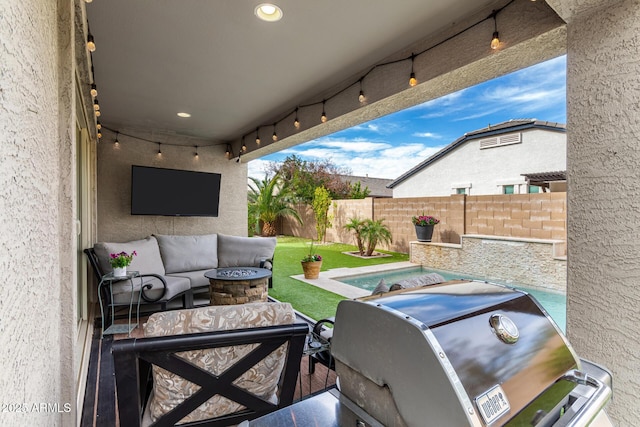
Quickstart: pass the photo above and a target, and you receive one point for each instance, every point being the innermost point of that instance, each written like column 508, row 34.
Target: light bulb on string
column 275, row 135
column 412, row 78
column 116, row 142
column 495, row 39
column 296, row 122
column 257, row 136
column 96, row 105
column 98, row 125
column 196, row 153
column 159, row 150
column 361, row 97
column 91, row 44
column 244, row 146
column 99, row 135
column 323, row 118
column 228, row 152
column 94, row 90
column 97, row 113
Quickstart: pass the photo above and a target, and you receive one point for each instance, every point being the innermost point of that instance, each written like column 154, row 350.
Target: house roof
column 377, row 186
column 512, row 125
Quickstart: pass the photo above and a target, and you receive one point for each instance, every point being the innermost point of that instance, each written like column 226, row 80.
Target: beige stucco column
column 603, row 164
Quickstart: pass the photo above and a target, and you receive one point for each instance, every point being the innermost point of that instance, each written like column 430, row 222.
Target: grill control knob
column 504, row 328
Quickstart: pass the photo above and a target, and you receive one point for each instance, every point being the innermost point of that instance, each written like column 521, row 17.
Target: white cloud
column 426, row 135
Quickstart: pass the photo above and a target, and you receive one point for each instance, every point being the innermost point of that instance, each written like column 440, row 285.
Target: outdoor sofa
column 173, row 266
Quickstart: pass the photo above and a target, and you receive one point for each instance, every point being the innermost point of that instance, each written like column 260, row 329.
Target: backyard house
column 492, row 160
column 63, row 188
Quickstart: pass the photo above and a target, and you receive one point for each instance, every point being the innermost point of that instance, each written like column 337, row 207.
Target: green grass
column 308, row 299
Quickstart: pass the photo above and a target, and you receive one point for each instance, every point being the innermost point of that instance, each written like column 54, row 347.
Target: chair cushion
column 424, row 280
column 236, row 251
column 147, row 260
column 175, row 286
column 169, row 389
column 188, row 253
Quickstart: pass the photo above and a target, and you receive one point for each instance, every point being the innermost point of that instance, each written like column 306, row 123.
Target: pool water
column 554, row 303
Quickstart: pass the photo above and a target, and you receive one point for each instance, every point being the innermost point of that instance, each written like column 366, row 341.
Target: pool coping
column 327, row 279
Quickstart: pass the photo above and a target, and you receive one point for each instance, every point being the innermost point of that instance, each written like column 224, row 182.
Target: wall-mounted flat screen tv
column 172, row 192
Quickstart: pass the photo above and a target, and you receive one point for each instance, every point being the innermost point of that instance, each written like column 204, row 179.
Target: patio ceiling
column 232, row 72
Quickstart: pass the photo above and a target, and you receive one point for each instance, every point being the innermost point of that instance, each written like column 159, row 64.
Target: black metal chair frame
column 187, row 296
column 133, row 359
column 323, row 357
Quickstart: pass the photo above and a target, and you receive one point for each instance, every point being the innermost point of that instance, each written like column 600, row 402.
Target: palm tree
column 374, row 232
column 356, row 225
column 270, row 199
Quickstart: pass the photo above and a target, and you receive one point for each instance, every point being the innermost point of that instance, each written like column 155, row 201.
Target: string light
column 275, row 135
column 412, row 78
column 94, row 90
column 96, row 106
column 228, row 152
column 98, row 125
column 296, row 122
column 196, row 153
column 91, row 44
column 99, row 135
column 413, row 81
column 159, row 150
column 97, row 113
column 116, row 142
column 244, row 146
column 495, row 40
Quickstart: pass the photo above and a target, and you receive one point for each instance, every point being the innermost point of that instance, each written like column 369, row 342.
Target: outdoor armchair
column 214, row 366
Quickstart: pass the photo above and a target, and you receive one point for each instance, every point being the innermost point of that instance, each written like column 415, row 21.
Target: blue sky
column 389, row 146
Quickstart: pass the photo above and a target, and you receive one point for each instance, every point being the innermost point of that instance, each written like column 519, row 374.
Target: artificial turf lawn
column 308, row 299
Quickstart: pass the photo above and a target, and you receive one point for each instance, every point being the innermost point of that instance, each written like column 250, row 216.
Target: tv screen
column 172, row 192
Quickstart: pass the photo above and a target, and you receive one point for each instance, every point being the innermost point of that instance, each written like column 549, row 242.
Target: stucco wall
column 115, row 222
column 603, row 90
column 486, row 169
column 36, row 213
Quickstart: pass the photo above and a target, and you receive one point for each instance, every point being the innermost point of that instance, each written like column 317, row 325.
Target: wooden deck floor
column 100, row 410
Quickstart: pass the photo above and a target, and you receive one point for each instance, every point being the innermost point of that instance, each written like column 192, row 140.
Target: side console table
column 108, row 280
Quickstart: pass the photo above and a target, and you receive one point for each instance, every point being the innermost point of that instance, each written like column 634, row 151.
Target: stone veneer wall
column 520, row 261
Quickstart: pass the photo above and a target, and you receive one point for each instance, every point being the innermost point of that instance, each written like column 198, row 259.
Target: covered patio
column 244, row 80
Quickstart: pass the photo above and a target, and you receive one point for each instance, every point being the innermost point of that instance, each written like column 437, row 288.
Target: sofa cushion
column 188, row 253
column 147, row 260
column 175, row 286
column 236, row 251
column 169, row 389
column 196, row 278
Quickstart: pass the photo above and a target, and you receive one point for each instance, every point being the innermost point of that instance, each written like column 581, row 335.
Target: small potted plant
column 120, row 262
column 311, row 264
column 424, row 226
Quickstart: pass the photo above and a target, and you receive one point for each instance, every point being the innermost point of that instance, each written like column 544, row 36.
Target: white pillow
column 147, row 260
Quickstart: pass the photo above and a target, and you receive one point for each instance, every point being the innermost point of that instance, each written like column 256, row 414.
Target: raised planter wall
column 533, row 262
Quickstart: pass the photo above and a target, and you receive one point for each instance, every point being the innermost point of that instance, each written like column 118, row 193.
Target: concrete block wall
column 539, row 216
column 535, row 216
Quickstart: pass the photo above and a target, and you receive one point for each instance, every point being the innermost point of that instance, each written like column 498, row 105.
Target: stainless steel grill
column 462, row 353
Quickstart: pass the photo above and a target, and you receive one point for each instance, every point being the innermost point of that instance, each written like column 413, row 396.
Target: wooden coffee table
column 238, row 285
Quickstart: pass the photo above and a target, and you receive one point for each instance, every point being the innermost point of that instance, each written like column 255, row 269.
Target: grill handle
column 596, row 402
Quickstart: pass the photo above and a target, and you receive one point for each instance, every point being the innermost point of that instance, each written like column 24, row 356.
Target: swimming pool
column 554, row 303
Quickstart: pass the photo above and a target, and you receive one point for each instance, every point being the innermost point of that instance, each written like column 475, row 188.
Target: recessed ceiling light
column 268, row 12
column 184, row 115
